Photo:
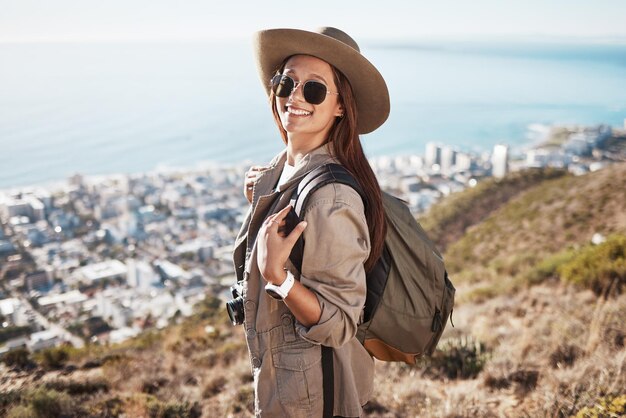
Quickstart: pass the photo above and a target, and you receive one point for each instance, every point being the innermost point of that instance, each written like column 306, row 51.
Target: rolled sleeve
column 336, row 247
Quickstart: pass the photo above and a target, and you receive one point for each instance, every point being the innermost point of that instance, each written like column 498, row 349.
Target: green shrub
column 548, row 267
column 482, row 293
column 565, row 355
column 44, row 403
column 243, row 401
column 459, row 358
column 19, row 358
column 49, row 403
column 172, row 409
column 523, row 380
column 144, row 341
column 76, row 387
column 153, row 384
column 601, row 268
column 109, row 407
column 21, row 411
column 215, row 386
column 9, row 399
column 54, row 358
column 607, row 407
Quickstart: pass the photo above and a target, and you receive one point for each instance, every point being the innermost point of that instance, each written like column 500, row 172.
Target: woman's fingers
column 282, row 214
column 279, row 216
column 254, row 172
column 250, row 178
column 274, row 245
column 279, row 221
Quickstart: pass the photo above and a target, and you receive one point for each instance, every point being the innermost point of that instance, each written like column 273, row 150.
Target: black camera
column 235, row 305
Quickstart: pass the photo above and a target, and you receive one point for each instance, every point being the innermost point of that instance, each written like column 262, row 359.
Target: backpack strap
column 321, row 176
column 328, row 381
column 318, row 177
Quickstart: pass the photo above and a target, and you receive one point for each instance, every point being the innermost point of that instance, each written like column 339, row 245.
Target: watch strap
column 281, row 292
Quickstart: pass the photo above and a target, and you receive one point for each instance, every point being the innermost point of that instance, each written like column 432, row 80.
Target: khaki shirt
column 286, row 356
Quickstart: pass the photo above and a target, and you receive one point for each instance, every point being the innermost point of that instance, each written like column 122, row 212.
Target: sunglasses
column 313, row 91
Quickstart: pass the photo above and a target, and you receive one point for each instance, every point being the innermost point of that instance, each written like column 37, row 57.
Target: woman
column 323, row 94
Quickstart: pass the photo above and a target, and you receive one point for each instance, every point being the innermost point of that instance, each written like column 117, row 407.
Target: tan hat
column 335, row 47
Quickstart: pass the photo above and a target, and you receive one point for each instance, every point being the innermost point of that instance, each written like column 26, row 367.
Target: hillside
column 448, row 220
column 539, row 325
column 554, row 217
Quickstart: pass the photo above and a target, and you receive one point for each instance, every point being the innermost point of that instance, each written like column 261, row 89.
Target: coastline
column 536, row 136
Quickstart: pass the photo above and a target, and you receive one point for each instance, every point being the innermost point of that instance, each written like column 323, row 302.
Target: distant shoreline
column 538, row 140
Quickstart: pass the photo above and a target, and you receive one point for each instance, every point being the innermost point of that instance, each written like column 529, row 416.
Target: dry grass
column 553, row 351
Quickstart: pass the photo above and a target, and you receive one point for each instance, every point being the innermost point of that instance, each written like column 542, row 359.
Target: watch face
column 273, row 294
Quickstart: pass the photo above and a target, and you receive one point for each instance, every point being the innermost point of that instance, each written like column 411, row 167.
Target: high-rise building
column 500, row 160
column 463, row 161
column 448, row 159
column 433, row 155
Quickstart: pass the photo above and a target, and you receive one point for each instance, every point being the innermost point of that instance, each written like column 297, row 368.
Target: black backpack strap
column 328, row 381
column 320, row 176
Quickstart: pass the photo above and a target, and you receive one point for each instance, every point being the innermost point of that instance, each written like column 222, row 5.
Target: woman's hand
column 273, row 247
column 251, row 176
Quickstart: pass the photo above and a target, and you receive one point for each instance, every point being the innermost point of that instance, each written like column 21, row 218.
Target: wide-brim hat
column 338, row 49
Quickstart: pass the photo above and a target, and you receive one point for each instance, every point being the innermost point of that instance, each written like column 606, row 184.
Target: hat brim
column 272, row 46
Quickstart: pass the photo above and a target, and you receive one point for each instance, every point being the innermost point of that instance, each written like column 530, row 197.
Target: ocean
column 131, row 107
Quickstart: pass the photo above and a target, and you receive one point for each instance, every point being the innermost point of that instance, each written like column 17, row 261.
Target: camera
column 235, row 305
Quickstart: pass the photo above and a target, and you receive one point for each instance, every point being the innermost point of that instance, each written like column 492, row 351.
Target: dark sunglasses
column 313, row 91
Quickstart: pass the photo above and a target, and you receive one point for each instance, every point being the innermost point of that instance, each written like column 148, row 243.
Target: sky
column 176, row 20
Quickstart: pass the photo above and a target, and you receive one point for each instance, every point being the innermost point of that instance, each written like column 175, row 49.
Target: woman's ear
column 339, row 112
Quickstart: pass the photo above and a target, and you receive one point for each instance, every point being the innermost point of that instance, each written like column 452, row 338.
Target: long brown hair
column 345, row 145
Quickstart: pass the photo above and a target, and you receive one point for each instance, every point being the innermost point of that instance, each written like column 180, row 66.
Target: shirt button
column 251, row 333
column 256, row 362
column 250, row 304
column 286, row 320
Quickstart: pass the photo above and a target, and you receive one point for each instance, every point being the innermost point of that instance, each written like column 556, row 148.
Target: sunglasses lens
column 314, row 92
column 282, row 85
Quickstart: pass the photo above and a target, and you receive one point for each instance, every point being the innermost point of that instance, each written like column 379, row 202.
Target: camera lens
column 235, row 310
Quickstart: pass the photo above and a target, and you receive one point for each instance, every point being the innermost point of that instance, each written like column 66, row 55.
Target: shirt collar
column 266, row 182
column 319, row 156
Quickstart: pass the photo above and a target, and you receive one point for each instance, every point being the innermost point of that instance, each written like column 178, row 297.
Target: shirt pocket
column 298, row 374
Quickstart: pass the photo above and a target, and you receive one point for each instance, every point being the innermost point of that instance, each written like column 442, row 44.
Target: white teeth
column 298, row 112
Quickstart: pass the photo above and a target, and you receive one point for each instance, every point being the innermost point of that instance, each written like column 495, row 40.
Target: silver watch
column 281, row 292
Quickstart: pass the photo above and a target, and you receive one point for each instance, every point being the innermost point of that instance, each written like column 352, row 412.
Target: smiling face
column 303, row 121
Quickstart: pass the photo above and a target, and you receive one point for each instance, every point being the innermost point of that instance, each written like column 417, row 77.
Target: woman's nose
column 295, row 89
